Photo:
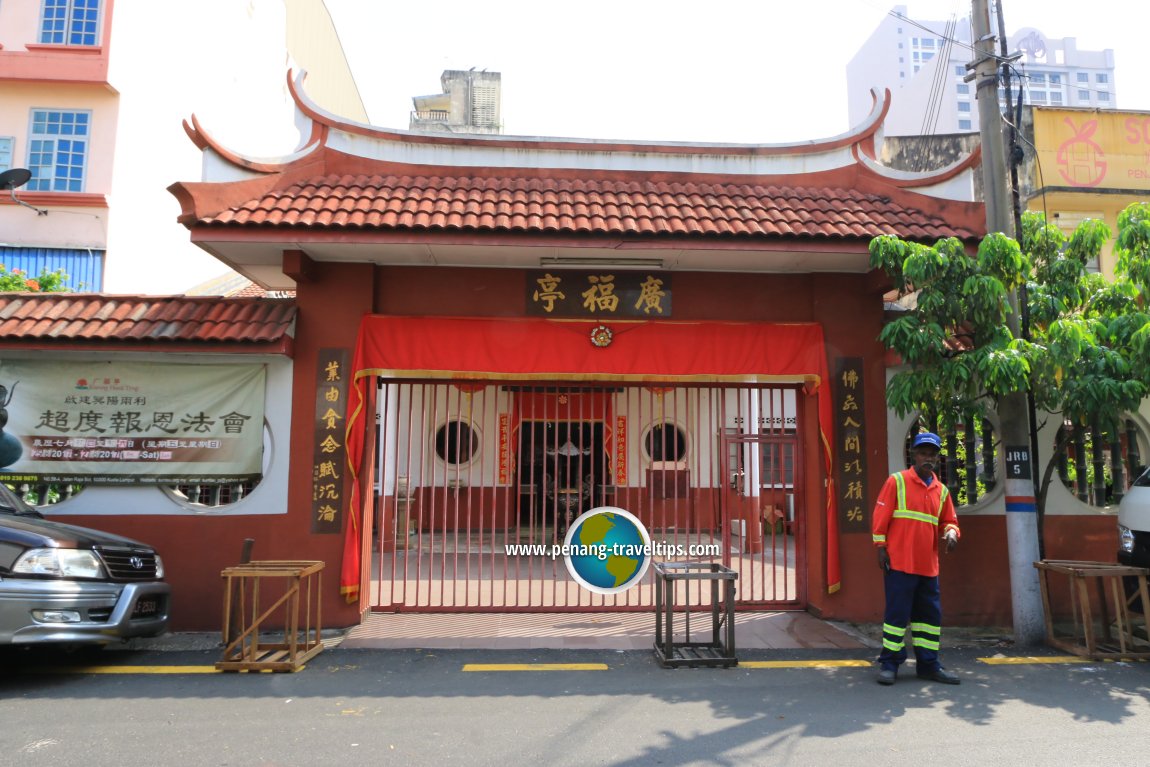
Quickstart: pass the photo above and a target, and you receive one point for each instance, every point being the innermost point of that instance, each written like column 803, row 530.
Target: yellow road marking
column 535, row 667
column 480, row 667
column 125, row 670
column 1021, row 659
column 805, row 664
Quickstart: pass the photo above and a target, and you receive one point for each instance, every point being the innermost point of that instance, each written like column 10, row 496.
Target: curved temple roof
column 390, row 186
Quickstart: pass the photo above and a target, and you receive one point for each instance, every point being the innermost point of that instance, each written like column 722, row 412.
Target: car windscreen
column 10, row 503
column 1144, row 480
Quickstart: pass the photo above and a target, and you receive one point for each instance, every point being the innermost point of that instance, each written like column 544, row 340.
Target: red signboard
column 621, row 450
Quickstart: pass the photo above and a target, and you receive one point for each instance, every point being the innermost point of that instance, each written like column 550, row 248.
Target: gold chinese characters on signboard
column 330, row 455
column 599, row 294
column 850, row 437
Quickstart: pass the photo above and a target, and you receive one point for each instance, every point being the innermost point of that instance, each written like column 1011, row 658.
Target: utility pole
column 1013, row 416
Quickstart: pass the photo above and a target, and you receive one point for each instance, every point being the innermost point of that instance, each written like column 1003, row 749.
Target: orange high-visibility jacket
column 910, row 518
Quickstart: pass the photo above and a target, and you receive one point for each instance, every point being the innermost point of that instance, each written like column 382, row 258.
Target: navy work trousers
column 912, row 601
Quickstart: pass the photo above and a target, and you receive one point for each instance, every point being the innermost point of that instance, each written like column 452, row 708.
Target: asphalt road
column 413, row 707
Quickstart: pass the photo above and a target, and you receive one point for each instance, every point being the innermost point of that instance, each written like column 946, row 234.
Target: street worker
column 913, row 511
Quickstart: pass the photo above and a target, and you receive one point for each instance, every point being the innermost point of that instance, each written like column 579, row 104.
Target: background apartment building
column 470, row 103
column 923, row 63
column 93, row 94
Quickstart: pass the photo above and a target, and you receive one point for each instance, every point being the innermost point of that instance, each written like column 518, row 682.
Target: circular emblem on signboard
column 601, row 336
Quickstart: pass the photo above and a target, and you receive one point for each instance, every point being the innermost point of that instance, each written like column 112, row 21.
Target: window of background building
column 1102, row 77
column 964, row 106
column 70, row 22
column 963, row 88
column 960, row 70
column 1055, row 78
column 57, row 150
column 1103, row 96
column 1083, row 95
column 1083, row 77
column 1068, row 221
column 964, row 124
column 1055, row 97
column 6, row 143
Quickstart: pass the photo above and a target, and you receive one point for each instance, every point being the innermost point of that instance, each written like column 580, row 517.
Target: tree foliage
column 1087, row 352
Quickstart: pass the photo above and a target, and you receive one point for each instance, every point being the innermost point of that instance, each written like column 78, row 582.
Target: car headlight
column 1125, row 539
column 159, row 567
column 62, row 563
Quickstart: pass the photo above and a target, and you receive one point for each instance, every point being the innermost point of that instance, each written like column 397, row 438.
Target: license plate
column 146, row 608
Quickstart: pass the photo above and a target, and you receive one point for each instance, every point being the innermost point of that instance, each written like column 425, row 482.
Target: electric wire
column 1021, row 136
column 935, row 97
column 937, row 84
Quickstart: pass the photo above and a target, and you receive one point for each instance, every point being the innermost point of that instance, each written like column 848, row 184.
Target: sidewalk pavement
column 585, row 631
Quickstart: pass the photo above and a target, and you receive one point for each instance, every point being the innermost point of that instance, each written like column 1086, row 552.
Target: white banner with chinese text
column 130, row 422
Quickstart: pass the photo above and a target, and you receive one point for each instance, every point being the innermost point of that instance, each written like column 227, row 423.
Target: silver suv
column 73, row 585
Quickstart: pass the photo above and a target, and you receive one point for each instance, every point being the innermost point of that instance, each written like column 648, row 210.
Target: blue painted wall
column 85, row 268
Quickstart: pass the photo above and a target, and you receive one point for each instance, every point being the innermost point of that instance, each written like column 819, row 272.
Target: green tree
column 1087, row 354
column 18, row 281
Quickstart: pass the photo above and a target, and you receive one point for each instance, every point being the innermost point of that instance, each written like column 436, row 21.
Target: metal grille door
column 472, row 473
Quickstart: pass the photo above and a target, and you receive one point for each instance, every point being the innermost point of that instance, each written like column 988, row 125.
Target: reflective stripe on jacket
column 909, row 518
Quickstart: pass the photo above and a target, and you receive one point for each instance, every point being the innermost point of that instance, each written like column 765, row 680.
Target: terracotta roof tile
column 601, row 206
column 98, row 317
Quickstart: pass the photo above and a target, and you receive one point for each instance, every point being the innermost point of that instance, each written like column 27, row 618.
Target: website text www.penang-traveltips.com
column 604, row 550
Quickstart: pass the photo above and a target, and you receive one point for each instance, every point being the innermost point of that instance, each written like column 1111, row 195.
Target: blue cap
column 927, row 438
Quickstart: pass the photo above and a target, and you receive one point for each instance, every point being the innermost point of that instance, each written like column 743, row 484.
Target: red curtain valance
column 541, row 348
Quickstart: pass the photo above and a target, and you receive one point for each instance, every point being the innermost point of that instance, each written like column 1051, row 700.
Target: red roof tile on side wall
column 85, row 317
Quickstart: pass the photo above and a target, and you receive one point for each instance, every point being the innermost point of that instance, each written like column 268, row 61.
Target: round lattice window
column 967, row 464
column 456, row 442
column 665, row 442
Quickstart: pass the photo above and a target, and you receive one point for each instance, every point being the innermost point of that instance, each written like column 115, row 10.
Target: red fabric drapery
column 540, row 348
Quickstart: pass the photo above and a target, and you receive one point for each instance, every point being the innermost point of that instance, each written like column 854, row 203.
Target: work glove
column 883, row 558
column 951, row 541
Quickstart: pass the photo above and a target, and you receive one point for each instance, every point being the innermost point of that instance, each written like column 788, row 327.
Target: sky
column 741, row 71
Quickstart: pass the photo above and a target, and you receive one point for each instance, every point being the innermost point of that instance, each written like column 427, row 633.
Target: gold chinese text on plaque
column 850, row 445
column 329, row 458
